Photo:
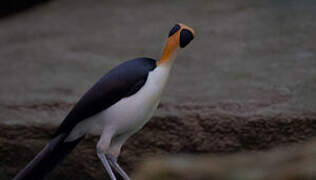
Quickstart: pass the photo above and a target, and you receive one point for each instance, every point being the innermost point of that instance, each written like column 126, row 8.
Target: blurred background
column 246, row 83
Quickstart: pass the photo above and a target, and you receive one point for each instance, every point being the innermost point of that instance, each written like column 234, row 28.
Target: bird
column 121, row 103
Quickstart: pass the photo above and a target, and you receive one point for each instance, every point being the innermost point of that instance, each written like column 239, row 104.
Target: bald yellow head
column 179, row 36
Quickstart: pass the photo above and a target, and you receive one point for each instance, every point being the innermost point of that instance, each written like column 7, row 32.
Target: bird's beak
column 186, row 35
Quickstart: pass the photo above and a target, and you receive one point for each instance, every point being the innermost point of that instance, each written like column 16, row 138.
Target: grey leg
column 106, row 165
column 117, row 167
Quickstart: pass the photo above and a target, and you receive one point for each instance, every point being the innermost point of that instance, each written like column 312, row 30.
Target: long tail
column 45, row 161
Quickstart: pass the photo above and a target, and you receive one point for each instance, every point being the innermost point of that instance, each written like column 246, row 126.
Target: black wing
column 122, row 81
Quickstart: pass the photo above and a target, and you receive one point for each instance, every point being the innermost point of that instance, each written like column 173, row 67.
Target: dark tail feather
column 45, row 161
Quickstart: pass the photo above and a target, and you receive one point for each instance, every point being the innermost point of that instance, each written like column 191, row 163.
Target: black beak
column 186, row 37
column 175, row 29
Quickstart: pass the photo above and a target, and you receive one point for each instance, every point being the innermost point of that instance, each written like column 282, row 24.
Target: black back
column 122, row 81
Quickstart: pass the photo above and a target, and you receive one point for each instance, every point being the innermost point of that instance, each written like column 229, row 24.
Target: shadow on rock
column 10, row 7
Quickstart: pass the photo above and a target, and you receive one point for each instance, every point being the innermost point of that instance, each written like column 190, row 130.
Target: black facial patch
column 185, row 37
column 175, row 29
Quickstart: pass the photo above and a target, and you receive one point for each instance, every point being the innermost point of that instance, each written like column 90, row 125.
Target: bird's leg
column 102, row 149
column 117, row 167
column 106, row 165
column 102, row 146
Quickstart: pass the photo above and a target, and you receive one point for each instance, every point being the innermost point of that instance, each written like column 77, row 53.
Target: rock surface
column 246, row 83
column 295, row 162
column 215, row 134
column 251, row 57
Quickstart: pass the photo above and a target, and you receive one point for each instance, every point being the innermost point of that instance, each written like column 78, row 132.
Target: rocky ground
column 294, row 162
column 241, row 95
column 194, row 135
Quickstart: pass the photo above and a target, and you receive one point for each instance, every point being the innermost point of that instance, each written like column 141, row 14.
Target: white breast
column 129, row 114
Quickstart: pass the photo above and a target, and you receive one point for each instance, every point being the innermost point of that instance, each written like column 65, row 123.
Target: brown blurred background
column 246, row 83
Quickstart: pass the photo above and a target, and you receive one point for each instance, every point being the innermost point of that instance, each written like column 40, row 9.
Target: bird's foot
column 109, row 161
column 117, row 167
column 106, row 165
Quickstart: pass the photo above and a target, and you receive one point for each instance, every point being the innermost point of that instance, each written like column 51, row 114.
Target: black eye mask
column 185, row 37
column 175, row 29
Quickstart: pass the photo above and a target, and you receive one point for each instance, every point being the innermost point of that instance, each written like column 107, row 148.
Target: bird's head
column 179, row 37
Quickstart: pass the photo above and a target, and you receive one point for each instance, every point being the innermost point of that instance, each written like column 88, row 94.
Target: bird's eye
column 185, row 37
column 175, row 29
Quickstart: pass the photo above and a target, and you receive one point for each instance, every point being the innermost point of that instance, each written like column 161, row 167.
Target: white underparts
column 128, row 115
